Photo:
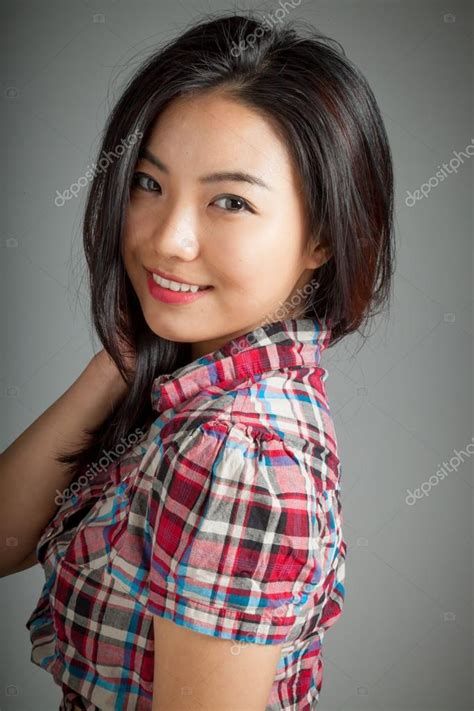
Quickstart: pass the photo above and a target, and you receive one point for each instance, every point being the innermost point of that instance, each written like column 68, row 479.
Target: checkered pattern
column 225, row 518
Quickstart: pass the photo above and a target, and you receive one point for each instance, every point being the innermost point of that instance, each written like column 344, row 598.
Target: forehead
column 207, row 132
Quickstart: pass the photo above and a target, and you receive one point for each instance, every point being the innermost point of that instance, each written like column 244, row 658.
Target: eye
column 138, row 180
column 235, row 199
column 142, row 181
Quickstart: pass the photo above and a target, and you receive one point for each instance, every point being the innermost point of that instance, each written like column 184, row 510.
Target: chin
column 169, row 328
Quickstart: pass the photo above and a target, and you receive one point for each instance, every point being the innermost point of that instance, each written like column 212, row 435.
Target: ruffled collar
column 279, row 345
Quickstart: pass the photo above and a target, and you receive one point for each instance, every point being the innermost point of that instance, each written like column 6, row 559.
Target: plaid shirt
column 225, row 517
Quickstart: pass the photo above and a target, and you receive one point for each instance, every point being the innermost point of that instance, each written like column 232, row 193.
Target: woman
column 193, row 549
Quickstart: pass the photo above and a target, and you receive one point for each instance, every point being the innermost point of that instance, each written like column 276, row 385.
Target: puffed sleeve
column 238, row 534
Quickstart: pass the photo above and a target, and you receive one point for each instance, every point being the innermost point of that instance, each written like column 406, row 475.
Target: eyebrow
column 237, row 176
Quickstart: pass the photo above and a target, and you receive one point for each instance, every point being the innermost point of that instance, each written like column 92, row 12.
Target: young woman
column 192, row 548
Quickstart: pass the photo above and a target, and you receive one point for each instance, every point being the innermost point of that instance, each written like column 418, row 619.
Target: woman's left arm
column 198, row 671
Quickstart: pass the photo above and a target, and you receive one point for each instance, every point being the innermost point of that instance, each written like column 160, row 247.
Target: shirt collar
column 290, row 343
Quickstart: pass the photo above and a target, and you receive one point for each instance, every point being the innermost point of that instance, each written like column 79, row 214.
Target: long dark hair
column 331, row 122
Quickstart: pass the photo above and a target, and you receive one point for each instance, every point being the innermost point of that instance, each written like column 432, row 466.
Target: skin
column 248, row 242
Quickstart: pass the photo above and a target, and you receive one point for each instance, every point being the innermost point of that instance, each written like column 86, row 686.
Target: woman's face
column 244, row 239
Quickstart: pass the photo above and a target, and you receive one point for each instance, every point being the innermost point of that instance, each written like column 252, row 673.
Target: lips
column 168, row 296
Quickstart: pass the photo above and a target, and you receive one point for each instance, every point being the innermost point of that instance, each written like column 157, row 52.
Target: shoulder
column 234, row 516
column 223, row 476
column 221, row 447
column 282, row 413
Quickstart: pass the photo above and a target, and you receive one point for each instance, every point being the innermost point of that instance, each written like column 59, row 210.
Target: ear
column 317, row 255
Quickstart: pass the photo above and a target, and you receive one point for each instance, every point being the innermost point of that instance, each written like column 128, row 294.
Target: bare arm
column 215, row 673
column 29, row 474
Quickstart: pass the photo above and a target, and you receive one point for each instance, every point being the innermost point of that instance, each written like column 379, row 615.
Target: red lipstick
column 168, row 296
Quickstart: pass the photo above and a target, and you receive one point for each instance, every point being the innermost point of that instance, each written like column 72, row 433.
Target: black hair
column 326, row 112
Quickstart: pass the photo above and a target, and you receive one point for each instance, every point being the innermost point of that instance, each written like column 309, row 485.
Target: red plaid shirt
column 224, row 517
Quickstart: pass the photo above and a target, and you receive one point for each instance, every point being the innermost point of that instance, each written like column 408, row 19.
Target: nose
column 175, row 235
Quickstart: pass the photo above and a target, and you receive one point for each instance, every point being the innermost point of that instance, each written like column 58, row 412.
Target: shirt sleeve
column 240, row 538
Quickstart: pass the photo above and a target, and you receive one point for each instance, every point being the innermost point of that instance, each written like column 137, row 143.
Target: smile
column 175, row 285
column 172, row 292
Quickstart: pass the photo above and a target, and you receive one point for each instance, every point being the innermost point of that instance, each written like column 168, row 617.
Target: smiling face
column 245, row 239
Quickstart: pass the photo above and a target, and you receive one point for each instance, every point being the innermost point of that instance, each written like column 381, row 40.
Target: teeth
column 174, row 285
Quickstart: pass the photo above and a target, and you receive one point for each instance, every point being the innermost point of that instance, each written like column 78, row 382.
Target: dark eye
column 236, row 200
column 139, row 181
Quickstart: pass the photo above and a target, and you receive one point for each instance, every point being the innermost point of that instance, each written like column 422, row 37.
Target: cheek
column 247, row 275
column 134, row 230
column 131, row 228
column 127, row 252
column 256, row 260
column 237, row 264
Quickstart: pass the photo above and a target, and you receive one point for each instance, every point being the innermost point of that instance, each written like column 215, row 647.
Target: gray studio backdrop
column 402, row 404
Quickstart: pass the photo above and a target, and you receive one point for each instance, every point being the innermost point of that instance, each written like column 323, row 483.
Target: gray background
column 402, row 404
